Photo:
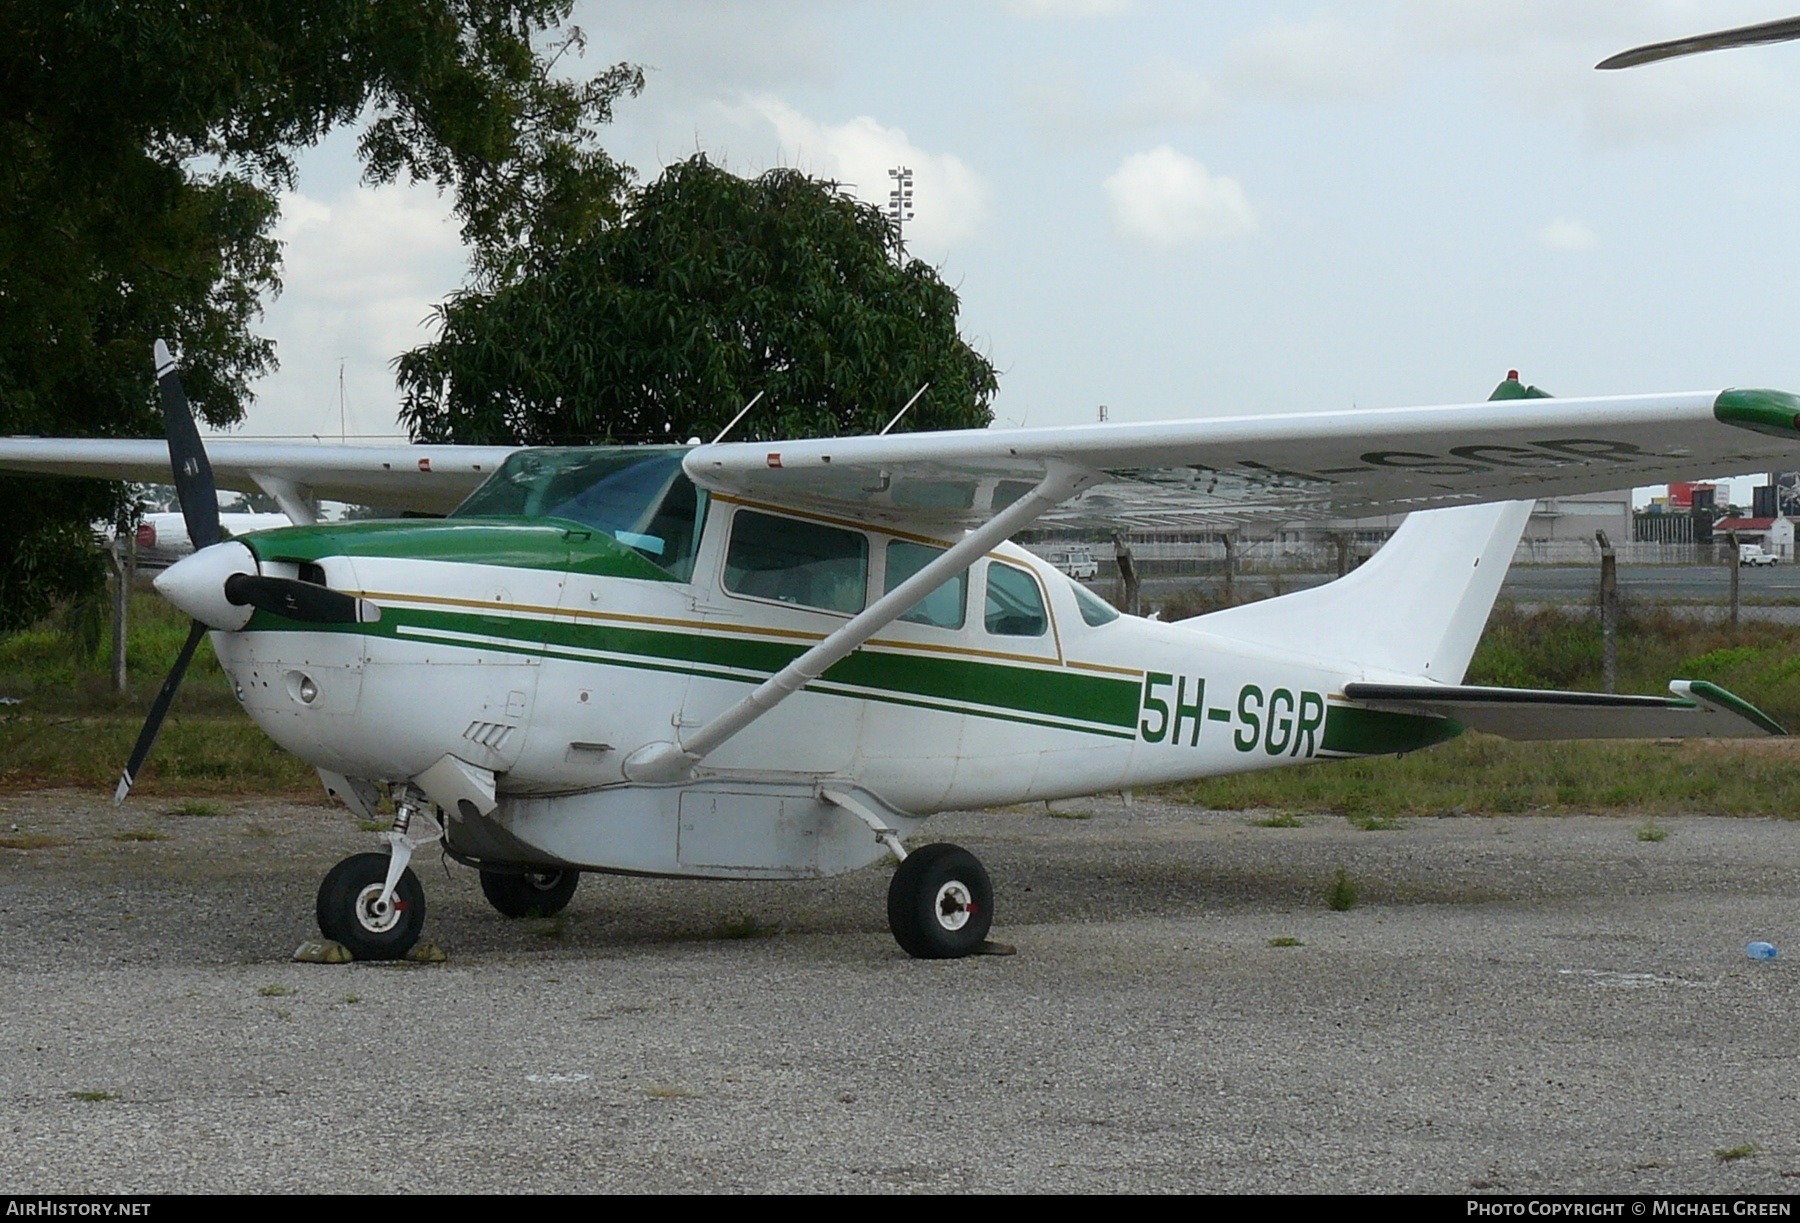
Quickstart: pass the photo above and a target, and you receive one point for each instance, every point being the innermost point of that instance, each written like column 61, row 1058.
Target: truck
column 1753, row 554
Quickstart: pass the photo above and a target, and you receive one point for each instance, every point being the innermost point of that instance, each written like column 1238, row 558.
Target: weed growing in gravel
column 31, row 840
column 1726, row 1154
column 1650, row 830
column 745, row 925
column 197, row 807
column 548, row 927
column 277, row 991
column 1281, row 819
column 1286, row 941
column 1343, row 893
column 93, row 1097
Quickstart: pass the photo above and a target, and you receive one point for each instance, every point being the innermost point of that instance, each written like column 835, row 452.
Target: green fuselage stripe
column 1039, row 696
column 1351, row 730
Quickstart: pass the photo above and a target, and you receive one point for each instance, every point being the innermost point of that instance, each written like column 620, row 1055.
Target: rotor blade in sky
column 1743, row 36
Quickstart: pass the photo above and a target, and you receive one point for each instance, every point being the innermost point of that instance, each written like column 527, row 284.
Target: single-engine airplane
column 775, row 660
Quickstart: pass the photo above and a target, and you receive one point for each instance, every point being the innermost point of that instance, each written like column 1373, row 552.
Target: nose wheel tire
column 941, row 903
column 531, row 894
column 351, row 912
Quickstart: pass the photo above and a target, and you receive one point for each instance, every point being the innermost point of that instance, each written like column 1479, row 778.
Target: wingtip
column 124, row 789
column 164, row 361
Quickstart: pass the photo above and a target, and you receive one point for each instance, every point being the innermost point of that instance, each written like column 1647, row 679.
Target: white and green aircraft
column 775, row 660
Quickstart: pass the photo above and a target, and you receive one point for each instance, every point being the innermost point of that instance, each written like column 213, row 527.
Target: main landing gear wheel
column 532, row 894
column 941, row 903
column 351, row 912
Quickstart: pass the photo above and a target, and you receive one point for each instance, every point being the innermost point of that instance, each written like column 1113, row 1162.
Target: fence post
column 121, row 582
column 1609, row 614
column 1230, row 542
column 1128, row 574
column 1732, row 536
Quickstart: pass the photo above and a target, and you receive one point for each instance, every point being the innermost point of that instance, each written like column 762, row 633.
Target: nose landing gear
column 356, row 909
column 372, row 903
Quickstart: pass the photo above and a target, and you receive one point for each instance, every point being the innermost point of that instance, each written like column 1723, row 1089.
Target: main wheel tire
column 941, row 903
column 532, row 894
column 348, row 912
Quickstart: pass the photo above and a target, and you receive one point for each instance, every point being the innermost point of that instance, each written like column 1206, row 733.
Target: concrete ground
column 1516, row 1004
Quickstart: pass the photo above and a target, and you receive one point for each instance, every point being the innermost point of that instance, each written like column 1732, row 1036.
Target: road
column 1516, row 1005
column 1770, row 593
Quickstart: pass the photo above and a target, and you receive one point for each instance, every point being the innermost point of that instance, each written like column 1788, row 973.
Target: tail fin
column 1417, row 607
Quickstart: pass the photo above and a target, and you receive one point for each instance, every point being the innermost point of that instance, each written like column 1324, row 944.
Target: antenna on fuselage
column 737, row 418
column 902, row 411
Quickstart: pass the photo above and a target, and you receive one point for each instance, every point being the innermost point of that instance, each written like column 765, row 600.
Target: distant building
column 1692, row 496
column 1774, row 535
column 1780, row 498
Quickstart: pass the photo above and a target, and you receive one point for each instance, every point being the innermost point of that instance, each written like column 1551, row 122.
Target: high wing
column 1308, row 465
column 426, row 479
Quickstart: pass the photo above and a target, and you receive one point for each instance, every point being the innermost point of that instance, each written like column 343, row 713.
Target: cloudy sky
column 1176, row 209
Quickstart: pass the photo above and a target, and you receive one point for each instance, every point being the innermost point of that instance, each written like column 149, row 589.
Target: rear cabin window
column 1015, row 605
column 943, row 607
column 1094, row 610
column 790, row 561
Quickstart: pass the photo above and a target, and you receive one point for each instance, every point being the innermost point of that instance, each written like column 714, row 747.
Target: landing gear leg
column 941, row 901
column 372, row 903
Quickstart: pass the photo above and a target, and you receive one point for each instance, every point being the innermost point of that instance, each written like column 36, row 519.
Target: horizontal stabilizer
column 1698, row 710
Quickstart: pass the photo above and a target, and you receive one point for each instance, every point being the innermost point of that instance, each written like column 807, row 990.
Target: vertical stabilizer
column 1417, row 607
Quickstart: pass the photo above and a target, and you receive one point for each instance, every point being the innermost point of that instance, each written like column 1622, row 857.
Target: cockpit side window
column 638, row 495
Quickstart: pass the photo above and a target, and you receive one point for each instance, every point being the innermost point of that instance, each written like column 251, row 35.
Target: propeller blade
column 187, row 457
column 158, row 711
column 297, row 600
column 1781, row 30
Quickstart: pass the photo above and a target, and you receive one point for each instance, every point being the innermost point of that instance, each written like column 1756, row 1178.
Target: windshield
column 637, row 494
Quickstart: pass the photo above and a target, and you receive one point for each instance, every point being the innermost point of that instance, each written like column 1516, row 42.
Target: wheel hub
column 955, row 905
column 374, row 914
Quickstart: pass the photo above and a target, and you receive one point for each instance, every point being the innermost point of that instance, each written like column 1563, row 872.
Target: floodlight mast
column 900, row 202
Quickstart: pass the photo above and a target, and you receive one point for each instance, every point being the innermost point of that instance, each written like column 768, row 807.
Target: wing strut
column 666, row 761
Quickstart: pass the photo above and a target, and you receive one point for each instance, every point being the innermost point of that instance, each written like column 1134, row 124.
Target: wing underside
column 426, row 479
column 1304, row 466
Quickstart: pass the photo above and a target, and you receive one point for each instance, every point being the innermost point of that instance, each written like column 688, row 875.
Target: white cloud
column 360, row 274
column 1310, row 60
column 705, row 50
column 1167, row 198
column 1168, row 91
column 1038, row 10
column 951, row 199
column 1566, row 234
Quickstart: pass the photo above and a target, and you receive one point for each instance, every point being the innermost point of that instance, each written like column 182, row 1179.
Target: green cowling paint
column 543, row 543
column 1354, row 731
column 1776, row 413
column 1039, row 695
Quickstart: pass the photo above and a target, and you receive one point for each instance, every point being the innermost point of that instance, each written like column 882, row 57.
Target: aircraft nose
column 196, row 584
